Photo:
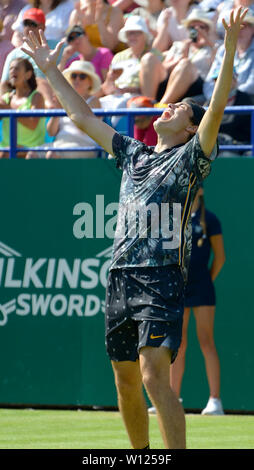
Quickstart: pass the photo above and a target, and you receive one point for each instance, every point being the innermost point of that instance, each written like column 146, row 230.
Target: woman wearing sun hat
column 83, row 78
column 138, row 38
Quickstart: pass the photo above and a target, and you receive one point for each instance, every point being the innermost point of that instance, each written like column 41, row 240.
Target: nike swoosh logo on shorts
column 154, row 337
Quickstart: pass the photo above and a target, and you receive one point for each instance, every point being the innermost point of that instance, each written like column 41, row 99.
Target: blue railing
column 129, row 113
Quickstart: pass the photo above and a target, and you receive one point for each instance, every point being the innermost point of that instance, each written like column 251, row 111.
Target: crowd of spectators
column 121, row 53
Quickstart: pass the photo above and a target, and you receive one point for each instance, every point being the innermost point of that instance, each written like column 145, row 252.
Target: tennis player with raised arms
column 145, row 291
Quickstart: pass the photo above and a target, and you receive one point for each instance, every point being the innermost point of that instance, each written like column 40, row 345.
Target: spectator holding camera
column 188, row 62
column 185, row 66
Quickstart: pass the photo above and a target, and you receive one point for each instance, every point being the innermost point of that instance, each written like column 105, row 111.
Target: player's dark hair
column 197, row 112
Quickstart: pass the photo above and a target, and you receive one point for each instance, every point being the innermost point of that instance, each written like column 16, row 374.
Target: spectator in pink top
column 80, row 48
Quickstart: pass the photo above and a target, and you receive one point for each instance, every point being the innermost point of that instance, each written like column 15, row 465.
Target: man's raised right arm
column 210, row 124
column 74, row 105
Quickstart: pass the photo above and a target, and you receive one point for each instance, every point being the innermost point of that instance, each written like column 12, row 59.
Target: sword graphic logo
column 5, row 310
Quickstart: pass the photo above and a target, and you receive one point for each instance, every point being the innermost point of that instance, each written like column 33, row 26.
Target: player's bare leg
column 155, row 366
column 131, row 402
column 178, row 366
column 204, row 316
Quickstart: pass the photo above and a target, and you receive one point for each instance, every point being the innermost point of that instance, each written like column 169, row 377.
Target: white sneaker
column 213, row 407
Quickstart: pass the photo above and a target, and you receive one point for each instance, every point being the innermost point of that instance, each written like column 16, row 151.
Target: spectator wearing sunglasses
column 80, row 48
column 57, row 14
column 33, row 20
column 83, row 78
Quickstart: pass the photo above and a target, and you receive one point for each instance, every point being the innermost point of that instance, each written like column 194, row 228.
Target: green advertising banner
column 57, row 224
column 54, row 258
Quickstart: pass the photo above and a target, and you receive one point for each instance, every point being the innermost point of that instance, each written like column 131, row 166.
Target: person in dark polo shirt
column 145, row 291
column 200, row 297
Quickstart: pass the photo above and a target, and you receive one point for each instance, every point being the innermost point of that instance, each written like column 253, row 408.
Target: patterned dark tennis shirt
column 156, row 195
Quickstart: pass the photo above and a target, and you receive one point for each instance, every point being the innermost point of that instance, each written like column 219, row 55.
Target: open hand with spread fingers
column 38, row 49
column 233, row 27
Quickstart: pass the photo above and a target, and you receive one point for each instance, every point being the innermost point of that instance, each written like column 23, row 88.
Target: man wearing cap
column 33, row 20
column 144, row 300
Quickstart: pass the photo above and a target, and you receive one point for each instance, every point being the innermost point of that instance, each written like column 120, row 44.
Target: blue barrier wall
column 128, row 113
